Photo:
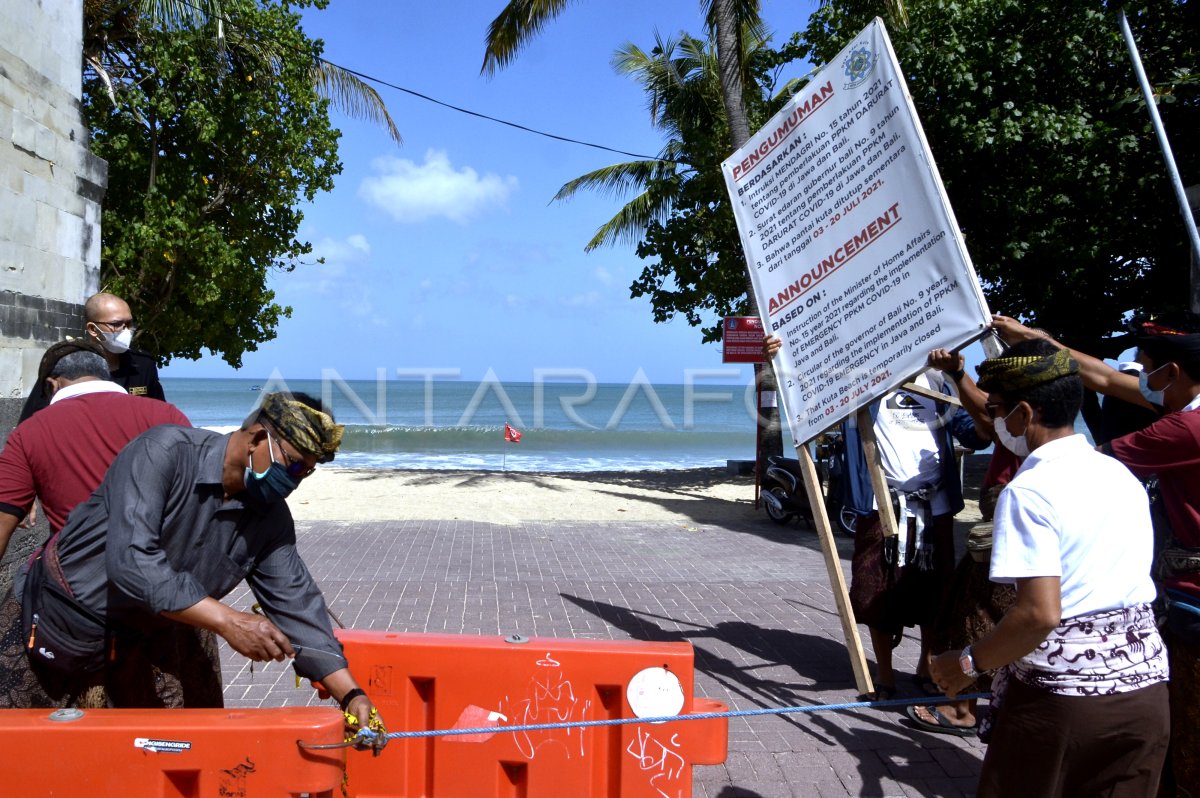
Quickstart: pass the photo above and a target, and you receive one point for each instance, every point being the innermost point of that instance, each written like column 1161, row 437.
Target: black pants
column 1046, row 745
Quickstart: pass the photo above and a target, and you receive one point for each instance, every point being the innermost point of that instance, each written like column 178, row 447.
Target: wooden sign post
column 855, row 259
column 833, row 566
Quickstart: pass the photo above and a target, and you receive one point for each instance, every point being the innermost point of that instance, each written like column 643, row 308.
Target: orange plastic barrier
column 422, row 682
column 179, row 753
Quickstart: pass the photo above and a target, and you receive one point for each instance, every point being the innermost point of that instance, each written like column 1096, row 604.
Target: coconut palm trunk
column 729, row 61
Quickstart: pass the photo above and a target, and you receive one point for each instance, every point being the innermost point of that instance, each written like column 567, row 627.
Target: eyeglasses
column 296, row 469
column 994, row 409
column 118, row 325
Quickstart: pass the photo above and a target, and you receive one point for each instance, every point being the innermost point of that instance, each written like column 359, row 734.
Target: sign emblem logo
column 857, row 65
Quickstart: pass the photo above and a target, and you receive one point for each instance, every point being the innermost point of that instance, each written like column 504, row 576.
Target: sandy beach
column 705, row 495
column 686, row 496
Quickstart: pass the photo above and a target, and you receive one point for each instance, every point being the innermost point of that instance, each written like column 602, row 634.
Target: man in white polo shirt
column 1081, row 697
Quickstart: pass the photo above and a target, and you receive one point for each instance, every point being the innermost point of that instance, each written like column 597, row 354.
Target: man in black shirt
column 109, row 321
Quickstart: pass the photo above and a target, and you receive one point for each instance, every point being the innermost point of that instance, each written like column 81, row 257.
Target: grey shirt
column 158, row 536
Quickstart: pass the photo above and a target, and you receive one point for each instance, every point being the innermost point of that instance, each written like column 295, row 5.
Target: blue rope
column 365, row 735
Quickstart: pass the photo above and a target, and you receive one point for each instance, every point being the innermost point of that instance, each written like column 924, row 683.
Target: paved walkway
column 752, row 598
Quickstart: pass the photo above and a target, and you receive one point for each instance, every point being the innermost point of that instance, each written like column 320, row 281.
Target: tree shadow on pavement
column 886, row 751
column 811, row 658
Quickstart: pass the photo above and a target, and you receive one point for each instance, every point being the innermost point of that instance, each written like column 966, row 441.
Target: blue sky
column 446, row 252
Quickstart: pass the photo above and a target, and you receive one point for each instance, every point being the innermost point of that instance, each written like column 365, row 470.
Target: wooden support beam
column 883, row 497
column 936, row 396
column 833, row 565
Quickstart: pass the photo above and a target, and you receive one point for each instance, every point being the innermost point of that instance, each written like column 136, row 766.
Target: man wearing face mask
column 181, row 518
column 109, row 322
column 1169, row 448
column 1080, row 700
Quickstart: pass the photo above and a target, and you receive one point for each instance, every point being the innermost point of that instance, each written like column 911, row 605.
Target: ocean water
column 565, row 426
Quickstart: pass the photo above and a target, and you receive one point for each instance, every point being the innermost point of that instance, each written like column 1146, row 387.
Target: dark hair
column 79, row 364
column 1057, row 401
column 1161, row 354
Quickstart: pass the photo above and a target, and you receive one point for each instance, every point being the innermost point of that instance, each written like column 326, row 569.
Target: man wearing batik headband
column 1080, row 696
column 1168, row 449
column 181, row 518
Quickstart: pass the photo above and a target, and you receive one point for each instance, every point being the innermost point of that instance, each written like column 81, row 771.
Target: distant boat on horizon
column 256, row 387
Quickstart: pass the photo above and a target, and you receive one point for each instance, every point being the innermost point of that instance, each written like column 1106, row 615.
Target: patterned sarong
column 1103, row 653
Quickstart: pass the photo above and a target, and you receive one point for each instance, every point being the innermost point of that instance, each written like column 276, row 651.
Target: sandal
column 942, row 726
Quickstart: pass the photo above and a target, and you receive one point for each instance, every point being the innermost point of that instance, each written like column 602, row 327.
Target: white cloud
column 412, row 192
column 603, row 276
column 338, row 254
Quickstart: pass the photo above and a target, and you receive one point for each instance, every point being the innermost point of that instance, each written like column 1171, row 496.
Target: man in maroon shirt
column 60, row 455
column 1169, row 448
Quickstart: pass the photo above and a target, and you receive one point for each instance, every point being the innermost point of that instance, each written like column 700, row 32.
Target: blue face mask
column 1153, row 397
column 270, row 486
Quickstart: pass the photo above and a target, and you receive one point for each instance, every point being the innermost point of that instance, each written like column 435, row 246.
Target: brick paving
column 752, row 598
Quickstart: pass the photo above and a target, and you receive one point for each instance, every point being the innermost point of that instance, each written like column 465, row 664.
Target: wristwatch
column 967, row 662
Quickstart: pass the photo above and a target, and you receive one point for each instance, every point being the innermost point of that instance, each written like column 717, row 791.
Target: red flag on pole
column 511, row 435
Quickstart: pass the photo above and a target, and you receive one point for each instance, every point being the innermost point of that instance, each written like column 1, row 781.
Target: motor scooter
column 785, row 498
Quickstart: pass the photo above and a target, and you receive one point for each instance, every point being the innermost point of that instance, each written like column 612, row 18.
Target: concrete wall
column 50, row 193
column 50, row 186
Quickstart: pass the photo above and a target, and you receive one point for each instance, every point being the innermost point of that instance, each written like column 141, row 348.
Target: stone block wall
column 50, row 186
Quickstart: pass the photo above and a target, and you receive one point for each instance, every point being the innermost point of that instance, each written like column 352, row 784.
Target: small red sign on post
column 743, row 340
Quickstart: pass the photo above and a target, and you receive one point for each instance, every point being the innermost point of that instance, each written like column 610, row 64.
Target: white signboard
column 854, row 253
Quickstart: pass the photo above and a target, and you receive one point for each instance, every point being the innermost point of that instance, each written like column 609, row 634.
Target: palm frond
column 630, row 223
column 618, row 179
column 180, row 13
column 353, row 96
column 516, row 25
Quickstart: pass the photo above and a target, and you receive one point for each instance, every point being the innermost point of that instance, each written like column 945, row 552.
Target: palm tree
column 111, row 29
column 681, row 80
column 521, row 20
column 726, row 20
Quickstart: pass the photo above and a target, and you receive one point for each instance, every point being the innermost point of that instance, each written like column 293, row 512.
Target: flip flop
column 943, row 725
column 926, row 686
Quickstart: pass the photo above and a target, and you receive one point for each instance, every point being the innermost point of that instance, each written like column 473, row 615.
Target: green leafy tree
column 111, row 29
column 1037, row 125
column 210, row 150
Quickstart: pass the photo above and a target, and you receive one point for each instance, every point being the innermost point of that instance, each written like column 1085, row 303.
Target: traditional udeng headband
column 304, row 427
column 1012, row 374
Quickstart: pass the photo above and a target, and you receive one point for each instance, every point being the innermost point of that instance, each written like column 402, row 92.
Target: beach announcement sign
column 854, row 253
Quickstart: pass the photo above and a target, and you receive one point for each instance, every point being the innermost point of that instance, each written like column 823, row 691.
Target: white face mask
column 1014, row 443
column 116, row 342
column 1150, row 395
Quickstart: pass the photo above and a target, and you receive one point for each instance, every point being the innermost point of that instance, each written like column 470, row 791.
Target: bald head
column 105, row 308
column 108, row 320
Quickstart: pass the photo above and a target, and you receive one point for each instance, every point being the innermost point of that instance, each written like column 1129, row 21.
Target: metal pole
column 1180, row 194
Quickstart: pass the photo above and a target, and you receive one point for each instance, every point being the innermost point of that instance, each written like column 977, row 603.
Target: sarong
column 888, row 596
column 1085, row 713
